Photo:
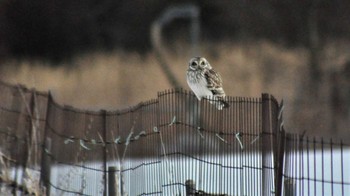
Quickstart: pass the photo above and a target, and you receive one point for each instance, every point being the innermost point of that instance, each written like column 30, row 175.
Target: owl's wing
column 214, row 82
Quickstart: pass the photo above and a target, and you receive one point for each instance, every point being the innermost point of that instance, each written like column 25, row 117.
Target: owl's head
column 199, row 63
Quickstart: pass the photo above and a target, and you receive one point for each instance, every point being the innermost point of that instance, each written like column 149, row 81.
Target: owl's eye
column 194, row 64
column 203, row 63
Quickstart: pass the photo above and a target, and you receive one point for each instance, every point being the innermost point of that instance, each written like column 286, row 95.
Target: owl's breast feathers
column 198, row 84
column 195, row 76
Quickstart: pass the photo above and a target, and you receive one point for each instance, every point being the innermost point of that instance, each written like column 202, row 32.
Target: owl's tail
column 224, row 104
column 220, row 103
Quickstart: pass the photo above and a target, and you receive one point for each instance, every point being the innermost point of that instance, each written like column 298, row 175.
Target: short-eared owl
column 205, row 82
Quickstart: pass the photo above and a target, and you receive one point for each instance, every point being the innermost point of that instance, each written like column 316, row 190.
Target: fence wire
column 315, row 166
column 172, row 145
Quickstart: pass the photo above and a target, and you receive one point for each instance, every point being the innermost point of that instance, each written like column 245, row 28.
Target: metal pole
column 112, row 181
column 289, row 187
column 266, row 142
column 46, row 149
column 104, row 116
column 46, row 173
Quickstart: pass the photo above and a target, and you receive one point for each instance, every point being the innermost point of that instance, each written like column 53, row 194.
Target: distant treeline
column 57, row 30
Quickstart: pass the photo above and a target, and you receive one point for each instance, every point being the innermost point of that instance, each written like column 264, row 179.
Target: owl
column 205, row 82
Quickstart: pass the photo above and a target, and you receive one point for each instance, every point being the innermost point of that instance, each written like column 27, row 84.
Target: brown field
column 117, row 79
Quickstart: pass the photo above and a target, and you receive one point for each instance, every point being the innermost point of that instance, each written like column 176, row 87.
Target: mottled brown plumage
column 205, row 82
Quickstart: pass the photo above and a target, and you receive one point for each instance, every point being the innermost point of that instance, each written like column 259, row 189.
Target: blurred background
column 110, row 54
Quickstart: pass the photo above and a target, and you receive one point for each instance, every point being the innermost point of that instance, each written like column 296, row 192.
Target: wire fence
column 172, row 145
column 315, row 166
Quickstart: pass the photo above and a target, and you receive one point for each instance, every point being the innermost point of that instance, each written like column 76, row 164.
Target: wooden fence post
column 190, row 188
column 111, row 181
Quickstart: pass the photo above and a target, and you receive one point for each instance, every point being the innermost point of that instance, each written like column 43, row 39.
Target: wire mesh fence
column 172, row 145
column 315, row 166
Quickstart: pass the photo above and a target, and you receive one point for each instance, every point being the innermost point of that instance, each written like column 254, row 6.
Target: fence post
column 111, row 181
column 280, row 147
column 28, row 140
column 289, row 187
column 104, row 133
column 190, row 188
column 46, row 149
column 46, row 165
column 270, row 146
column 266, row 143
column 121, row 179
column 280, row 162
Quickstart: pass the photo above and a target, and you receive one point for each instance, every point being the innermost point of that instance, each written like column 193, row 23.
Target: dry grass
column 117, row 79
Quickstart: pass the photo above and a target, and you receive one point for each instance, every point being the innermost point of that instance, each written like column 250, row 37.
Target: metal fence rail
column 172, row 145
